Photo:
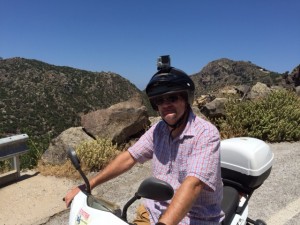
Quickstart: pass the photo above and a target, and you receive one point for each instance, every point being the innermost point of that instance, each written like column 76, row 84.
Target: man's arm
column 119, row 165
column 182, row 201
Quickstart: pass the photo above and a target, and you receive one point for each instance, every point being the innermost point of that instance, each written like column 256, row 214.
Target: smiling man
column 185, row 152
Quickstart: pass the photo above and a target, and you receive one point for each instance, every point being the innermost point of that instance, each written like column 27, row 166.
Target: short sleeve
column 142, row 150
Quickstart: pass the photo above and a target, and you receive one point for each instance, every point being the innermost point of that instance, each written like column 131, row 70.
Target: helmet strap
column 180, row 121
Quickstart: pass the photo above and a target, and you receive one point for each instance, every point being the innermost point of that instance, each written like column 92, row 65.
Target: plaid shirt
column 196, row 152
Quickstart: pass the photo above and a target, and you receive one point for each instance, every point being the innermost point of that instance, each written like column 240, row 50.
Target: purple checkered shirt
column 194, row 153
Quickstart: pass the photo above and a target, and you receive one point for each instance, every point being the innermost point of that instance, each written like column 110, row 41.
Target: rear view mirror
column 153, row 188
column 73, row 157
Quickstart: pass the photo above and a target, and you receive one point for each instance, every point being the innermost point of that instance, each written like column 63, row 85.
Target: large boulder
column 214, row 109
column 259, row 90
column 56, row 153
column 119, row 122
column 242, row 90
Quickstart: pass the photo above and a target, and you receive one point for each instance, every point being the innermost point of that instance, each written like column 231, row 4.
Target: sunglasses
column 166, row 99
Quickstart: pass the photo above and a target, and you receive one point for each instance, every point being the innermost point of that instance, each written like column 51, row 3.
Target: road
column 37, row 200
column 277, row 201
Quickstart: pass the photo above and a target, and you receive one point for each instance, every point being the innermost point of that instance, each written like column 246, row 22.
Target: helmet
column 170, row 80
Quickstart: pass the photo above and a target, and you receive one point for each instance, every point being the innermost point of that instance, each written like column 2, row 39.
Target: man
column 184, row 150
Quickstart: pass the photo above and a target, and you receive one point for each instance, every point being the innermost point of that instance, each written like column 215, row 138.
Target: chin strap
column 180, row 121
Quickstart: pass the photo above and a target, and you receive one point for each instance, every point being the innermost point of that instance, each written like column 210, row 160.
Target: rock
column 118, row 122
column 297, row 89
column 296, row 76
column 198, row 113
column 242, row 90
column 56, row 153
column 202, row 100
column 259, row 90
column 214, row 109
column 228, row 90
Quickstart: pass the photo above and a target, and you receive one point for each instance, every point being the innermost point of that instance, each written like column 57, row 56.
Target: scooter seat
column 229, row 204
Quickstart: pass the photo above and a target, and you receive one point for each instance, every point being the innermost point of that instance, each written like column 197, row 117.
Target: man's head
column 170, row 89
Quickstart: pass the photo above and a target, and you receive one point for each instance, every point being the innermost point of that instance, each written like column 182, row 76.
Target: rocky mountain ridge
column 39, row 98
column 225, row 72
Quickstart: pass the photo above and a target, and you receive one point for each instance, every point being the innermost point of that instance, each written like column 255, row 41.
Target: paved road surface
column 277, row 201
column 37, row 200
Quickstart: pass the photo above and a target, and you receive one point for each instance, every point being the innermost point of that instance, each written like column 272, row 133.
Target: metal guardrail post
column 12, row 147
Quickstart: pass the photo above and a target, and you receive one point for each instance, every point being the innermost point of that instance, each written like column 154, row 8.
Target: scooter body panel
column 82, row 214
column 240, row 219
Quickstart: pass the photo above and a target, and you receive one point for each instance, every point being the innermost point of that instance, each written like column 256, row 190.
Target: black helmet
column 170, row 80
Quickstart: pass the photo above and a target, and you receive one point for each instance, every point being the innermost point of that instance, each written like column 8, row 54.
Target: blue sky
column 127, row 36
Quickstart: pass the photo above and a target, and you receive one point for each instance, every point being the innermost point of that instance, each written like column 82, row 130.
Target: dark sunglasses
column 169, row 99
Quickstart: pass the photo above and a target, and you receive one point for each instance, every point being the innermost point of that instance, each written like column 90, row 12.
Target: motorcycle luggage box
column 245, row 161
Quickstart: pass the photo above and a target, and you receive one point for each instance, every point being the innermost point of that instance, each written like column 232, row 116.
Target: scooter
column 245, row 164
column 86, row 209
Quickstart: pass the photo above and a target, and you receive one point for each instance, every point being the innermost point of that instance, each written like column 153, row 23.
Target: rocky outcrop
column 125, row 121
column 215, row 108
column 118, row 122
column 225, row 72
column 292, row 80
column 56, row 153
column 259, row 90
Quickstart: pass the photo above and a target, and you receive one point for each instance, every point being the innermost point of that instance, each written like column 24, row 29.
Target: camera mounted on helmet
column 163, row 62
column 169, row 80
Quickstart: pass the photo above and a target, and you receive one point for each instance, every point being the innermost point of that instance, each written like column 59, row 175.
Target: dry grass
column 93, row 155
column 66, row 170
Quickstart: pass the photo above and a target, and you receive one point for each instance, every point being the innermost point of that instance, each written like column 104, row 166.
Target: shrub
column 36, row 146
column 5, row 166
column 97, row 153
column 275, row 118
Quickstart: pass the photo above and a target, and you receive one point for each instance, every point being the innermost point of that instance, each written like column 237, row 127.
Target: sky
column 127, row 36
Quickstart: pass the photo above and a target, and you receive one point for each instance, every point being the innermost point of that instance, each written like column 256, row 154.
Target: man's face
column 170, row 107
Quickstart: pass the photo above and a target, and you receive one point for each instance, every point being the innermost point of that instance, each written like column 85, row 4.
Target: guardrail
column 12, row 147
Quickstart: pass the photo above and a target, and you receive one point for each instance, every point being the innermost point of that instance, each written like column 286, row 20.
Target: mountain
column 226, row 72
column 39, row 98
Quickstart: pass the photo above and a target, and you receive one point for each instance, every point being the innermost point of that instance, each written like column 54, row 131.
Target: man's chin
column 170, row 118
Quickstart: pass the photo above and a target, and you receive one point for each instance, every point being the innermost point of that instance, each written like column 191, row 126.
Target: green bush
column 275, row 118
column 5, row 166
column 97, row 153
column 36, row 146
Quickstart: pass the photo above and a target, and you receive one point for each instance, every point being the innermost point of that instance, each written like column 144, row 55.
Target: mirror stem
column 132, row 200
column 86, row 181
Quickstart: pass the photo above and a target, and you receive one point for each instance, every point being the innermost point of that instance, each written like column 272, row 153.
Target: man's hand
column 72, row 193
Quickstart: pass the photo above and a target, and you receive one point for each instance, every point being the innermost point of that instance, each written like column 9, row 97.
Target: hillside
column 43, row 99
column 225, row 72
column 39, row 98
